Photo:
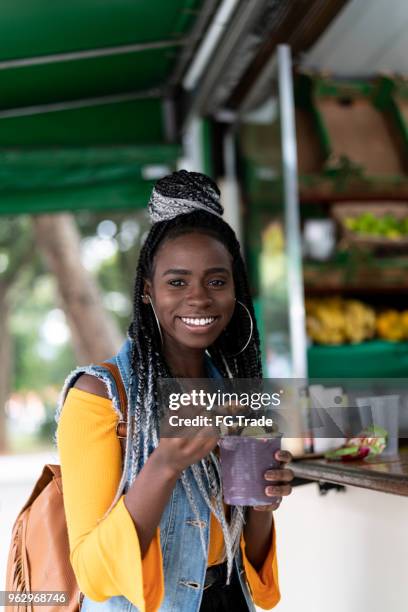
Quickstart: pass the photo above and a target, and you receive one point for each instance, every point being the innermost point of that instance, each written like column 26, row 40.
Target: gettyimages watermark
column 294, row 408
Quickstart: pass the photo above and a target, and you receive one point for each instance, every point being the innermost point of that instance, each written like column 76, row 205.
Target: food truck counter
column 386, row 474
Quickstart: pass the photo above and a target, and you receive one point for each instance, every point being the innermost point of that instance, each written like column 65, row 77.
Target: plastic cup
column 384, row 412
column 326, row 398
column 244, row 461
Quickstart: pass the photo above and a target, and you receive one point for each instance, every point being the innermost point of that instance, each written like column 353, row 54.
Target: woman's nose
column 199, row 295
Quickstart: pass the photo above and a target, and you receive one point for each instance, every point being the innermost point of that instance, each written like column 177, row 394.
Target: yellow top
column 105, row 554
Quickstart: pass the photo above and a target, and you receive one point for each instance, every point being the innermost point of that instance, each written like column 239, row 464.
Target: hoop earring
column 251, row 329
column 155, row 316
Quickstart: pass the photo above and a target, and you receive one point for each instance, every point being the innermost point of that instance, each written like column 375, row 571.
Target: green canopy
column 82, row 90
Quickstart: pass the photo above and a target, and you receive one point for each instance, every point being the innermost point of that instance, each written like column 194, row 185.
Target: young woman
column 155, row 534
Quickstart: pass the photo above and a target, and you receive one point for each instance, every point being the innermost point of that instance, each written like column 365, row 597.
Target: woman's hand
column 176, row 454
column 279, row 480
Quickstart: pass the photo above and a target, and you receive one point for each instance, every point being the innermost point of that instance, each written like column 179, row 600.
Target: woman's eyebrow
column 176, row 271
column 217, row 269
column 185, row 272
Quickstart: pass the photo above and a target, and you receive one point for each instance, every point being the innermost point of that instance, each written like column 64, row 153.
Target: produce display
column 385, row 226
column 339, row 321
column 392, row 325
column 370, row 442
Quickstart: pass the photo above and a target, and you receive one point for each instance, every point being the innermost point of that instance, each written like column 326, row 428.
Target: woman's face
column 192, row 290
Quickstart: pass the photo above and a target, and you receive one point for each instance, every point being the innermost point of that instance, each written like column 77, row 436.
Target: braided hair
column 184, row 203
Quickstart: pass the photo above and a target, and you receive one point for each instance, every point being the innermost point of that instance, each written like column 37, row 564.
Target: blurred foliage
column 116, row 274
column 49, row 426
column 34, row 369
column 32, row 292
column 18, row 256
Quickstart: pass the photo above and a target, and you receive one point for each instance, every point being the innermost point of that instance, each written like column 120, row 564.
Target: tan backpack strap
column 121, row 428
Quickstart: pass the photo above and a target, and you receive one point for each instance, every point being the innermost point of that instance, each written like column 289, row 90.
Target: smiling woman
column 194, row 298
column 154, row 533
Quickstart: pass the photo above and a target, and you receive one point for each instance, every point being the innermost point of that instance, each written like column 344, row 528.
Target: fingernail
column 270, row 491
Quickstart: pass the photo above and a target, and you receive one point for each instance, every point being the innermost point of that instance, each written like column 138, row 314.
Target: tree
column 5, row 361
column 95, row 334
column 14, row 233
column 28, row 294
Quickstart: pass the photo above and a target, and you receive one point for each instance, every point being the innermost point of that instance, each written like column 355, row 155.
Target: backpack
column 38, row 558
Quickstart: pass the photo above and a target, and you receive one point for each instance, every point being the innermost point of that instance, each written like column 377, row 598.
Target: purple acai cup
column 244, row 461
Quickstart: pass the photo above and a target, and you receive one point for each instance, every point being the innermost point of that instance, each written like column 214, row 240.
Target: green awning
column 80, row 177
column 82, row 89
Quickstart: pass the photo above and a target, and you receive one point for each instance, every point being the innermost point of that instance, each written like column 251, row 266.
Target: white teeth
column 198, row 322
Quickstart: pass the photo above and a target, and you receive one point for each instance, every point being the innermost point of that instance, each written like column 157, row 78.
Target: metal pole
column 74, row 56
column 230, row 191
column 297, row 327
column 41, row 109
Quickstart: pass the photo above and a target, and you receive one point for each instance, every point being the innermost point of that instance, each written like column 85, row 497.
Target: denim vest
column 184, row 565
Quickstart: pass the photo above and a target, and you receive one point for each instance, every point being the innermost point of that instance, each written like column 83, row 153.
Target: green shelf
column 373, row 359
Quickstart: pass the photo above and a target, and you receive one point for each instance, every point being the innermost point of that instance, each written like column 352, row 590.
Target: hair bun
column 183, row 192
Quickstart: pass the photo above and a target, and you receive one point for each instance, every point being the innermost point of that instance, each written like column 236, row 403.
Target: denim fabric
column 117, row 603
column 184, row 564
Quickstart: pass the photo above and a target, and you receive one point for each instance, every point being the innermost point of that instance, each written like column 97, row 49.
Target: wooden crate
column 341, row 211
column 354, row 122
column 361, row 133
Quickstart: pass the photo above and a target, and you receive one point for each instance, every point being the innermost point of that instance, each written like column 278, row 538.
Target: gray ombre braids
column 177, row 194
column 182, row 203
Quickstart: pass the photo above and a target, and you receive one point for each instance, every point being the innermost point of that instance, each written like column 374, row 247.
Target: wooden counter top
column 389, row 475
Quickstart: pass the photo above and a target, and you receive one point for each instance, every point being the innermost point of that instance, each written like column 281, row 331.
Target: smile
column 198, row 321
